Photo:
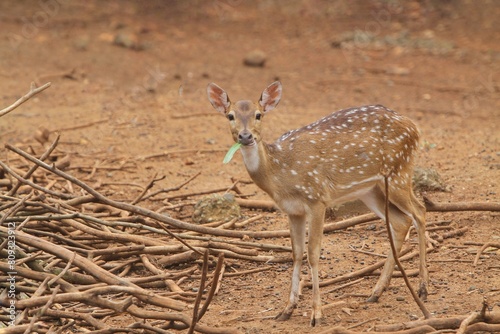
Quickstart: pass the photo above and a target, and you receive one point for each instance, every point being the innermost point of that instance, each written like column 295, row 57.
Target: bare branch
column 33, row 91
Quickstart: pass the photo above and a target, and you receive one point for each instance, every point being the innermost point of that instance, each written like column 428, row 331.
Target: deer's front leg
column 316, row 222
column 297, row 235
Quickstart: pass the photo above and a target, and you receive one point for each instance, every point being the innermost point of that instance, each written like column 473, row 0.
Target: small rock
column 428, row 179
column 42, row 135
column 398, row 50
column 428, row 34
column 255, row 58
column 81, row 43
column 216, row 208
column 371, row 227
column 397, row 70
column 127, row 40
column 400, row 299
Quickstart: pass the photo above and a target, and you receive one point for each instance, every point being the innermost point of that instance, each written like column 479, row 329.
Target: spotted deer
column 341, row 157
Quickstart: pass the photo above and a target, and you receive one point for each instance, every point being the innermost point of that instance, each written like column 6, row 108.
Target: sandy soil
column 128, row 89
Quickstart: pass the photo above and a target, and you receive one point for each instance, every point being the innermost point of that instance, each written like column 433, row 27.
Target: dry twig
column 33, row 91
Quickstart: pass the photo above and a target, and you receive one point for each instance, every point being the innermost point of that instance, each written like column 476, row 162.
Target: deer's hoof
column 422, row 292
column 315, row 320
column 286, row 313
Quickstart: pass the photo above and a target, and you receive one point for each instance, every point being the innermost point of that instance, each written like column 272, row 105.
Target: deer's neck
column 258, row 164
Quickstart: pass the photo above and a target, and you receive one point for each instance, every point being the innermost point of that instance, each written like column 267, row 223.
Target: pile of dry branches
column 76, row 258
column 72, row 258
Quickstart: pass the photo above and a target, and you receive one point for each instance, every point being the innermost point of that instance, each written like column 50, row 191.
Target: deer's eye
column 258, row 116
column 230, row 117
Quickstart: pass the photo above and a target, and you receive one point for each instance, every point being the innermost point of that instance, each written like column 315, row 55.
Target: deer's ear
column 218, row 98
column 271, row 96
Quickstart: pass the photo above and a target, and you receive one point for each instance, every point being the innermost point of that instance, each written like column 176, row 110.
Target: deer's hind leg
column 399, row 226
column 414, row 209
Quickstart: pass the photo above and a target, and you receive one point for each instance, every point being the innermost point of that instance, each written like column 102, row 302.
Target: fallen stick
column 33, row 91
column 30, row 172
column 437, row 323
column 248, row 221
column 214, row 287
column 204, row 272
column 150, row 185
column 81, row 126
column 267, row 247
column 342, row 330
column 345, row 285
column 480, row 327
column 45, row 307
column 175, row 188
column 86, row 317
column 39, row 291
column 473, row 317
column 178, row 258
column 232, row 248
column 483, row 248
column 452, row 234
column 151, row 267
column 460, row 206
column 198, row 193
column 38, row 276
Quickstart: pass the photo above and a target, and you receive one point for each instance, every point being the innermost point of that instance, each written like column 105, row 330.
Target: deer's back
column 345, row 150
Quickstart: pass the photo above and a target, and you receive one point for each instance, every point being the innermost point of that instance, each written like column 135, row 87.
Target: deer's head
column 245, row 116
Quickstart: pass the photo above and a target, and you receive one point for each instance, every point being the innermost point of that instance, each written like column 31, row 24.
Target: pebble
column 255, row 58
column 215, row 208
column 397, row 70
column 127, row 40
column 42, row 135
column 81, row 43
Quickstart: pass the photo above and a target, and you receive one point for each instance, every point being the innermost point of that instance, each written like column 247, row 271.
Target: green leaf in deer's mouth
column 231, row 152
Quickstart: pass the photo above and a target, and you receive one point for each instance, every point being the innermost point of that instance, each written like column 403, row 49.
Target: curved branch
column 33, row 91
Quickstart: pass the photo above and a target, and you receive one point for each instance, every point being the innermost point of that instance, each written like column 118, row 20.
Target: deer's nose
column 245, row 138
